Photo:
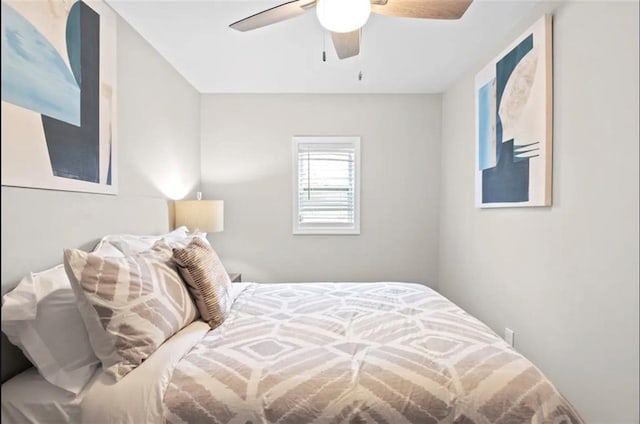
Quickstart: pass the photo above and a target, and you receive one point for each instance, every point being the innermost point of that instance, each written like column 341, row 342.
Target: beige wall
column 247, row 161
column 159, row 133
column 565, row 278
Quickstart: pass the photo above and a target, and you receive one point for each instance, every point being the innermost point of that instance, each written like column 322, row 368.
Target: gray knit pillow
column 206, row 278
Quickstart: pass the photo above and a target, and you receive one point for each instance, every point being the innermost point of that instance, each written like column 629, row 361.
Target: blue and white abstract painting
column 514, row 123
column 58, row 95
column 34, row 75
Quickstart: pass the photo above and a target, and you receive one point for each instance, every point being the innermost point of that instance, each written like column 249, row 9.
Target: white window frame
column 326, row 229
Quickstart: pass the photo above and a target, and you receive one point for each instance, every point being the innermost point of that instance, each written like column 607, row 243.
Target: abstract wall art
column 59, row 95
column 514, row 123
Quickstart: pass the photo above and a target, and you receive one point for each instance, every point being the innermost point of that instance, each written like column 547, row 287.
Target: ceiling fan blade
column 426, row 9
column 347, row 44
column 279, row 13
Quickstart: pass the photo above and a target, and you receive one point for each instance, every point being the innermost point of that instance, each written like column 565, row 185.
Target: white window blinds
column 326, row 187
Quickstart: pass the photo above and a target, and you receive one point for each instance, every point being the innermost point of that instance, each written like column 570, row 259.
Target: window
column 326, row 186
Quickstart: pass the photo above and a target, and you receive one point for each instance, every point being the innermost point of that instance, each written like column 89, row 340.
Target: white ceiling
column 398, row 55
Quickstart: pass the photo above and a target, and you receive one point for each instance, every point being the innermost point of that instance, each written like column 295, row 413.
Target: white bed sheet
column 29, row 398
column 137, row 398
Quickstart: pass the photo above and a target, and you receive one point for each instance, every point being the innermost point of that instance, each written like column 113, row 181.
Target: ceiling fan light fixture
column 343, row 15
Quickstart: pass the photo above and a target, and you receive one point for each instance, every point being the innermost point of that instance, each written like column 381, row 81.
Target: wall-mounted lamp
column 201, row 215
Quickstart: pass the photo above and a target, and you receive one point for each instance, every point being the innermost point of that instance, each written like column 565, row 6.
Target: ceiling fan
column 345, row 18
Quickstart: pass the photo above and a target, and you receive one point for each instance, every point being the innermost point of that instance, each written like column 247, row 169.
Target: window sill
column 326, row 231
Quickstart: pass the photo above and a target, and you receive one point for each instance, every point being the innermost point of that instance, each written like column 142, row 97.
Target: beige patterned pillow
column 207, row 279
column 130, row 305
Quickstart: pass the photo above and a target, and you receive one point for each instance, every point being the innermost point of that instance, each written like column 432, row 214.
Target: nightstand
column 235, row 278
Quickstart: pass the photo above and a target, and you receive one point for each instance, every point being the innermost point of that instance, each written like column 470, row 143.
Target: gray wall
column 565, row 278
column 159, row 138
column 247, row 161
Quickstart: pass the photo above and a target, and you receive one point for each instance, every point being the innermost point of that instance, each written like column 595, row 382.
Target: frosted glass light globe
column 343, row 15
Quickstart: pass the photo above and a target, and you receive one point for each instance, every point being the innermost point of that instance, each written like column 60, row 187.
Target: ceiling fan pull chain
column 360, row 56
column 324, row 46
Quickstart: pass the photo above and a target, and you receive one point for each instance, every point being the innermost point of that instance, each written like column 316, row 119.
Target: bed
column 150, row 329
column 324, row 353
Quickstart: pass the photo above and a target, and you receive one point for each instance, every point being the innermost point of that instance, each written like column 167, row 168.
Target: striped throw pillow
column 206, row 278
column 130, row 305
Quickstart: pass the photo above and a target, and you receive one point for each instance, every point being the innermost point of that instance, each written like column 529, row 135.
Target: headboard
column 38, row 224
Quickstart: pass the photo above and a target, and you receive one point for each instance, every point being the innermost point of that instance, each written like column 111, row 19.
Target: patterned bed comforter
column 357, row 353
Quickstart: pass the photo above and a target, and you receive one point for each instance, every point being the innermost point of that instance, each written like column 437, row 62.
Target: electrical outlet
column 508, row 335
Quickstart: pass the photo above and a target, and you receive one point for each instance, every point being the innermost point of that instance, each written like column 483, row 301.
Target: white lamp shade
column 202, row 215
column 343, row 15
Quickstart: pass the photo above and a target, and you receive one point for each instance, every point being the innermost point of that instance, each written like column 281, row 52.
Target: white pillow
column 41, row 317
column 130, row 244
column 106, row 249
